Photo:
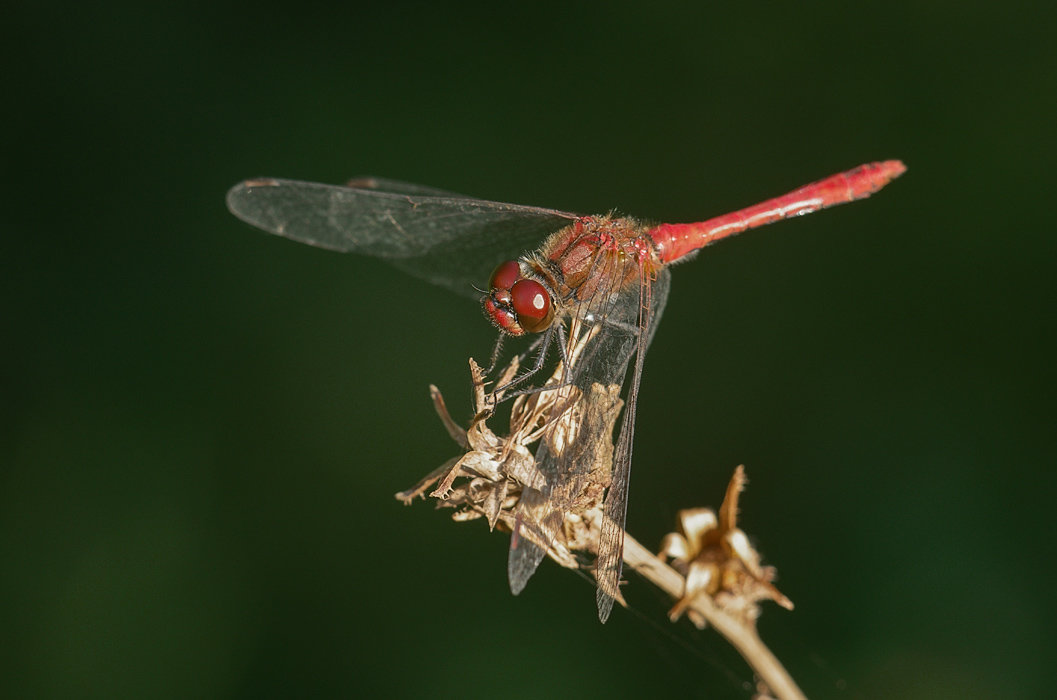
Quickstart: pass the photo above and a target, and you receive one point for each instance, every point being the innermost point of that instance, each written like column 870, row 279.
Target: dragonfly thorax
column 517, row 303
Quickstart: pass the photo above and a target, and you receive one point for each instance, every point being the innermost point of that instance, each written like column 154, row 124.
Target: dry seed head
column 716, row 559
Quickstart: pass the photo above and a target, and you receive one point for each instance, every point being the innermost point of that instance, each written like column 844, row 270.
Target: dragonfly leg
column 495, row 353
column 560, row 331
column 561, row 348
column 543, row 344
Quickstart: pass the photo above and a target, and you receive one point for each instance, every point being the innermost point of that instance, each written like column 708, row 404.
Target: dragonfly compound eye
column 505, row 275
column 532, row 304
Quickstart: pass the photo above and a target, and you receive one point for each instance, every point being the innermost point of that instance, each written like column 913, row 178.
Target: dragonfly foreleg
column 495, row 353
column 559, row 330
column 543, row 344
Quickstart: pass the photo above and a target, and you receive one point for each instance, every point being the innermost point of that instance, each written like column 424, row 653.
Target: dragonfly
column 548, row 271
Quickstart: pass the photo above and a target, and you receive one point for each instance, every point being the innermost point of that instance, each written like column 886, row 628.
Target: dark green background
column 203, row 426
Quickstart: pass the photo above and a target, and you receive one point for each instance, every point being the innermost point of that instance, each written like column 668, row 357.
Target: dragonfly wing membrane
column 534, row 520
column 609, row 563
column 382, row 184
column 447, row 239
column 570, row 464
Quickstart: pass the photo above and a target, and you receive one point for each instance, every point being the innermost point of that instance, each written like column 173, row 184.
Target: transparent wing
column 381, row 184
column 598, row 375
column 610, row 559
column 445, row 238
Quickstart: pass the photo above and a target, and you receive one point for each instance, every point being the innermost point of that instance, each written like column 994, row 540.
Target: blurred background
column 203, row 426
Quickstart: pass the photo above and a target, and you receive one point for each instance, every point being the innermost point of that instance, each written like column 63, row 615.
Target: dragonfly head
column 516, row 303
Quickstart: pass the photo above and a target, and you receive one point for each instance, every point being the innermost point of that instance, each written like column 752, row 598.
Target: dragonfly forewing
column 447, row 239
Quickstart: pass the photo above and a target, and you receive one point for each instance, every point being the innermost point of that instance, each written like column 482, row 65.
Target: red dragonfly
column 608, row 273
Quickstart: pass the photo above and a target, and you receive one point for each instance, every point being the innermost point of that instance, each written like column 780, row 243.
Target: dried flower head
column 498, row 478
column 716, row 559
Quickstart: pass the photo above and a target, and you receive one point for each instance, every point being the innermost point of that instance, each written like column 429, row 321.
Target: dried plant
column 708, row 567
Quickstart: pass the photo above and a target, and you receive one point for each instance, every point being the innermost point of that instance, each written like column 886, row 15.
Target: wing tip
column 260, row 182
column 237, row 192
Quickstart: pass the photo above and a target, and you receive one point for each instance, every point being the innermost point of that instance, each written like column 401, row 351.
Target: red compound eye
column 505, row 275
column 532, row 304
column 516, row 304
column 530, row 299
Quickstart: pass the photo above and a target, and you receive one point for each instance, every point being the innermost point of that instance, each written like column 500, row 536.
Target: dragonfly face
column 580, row 267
